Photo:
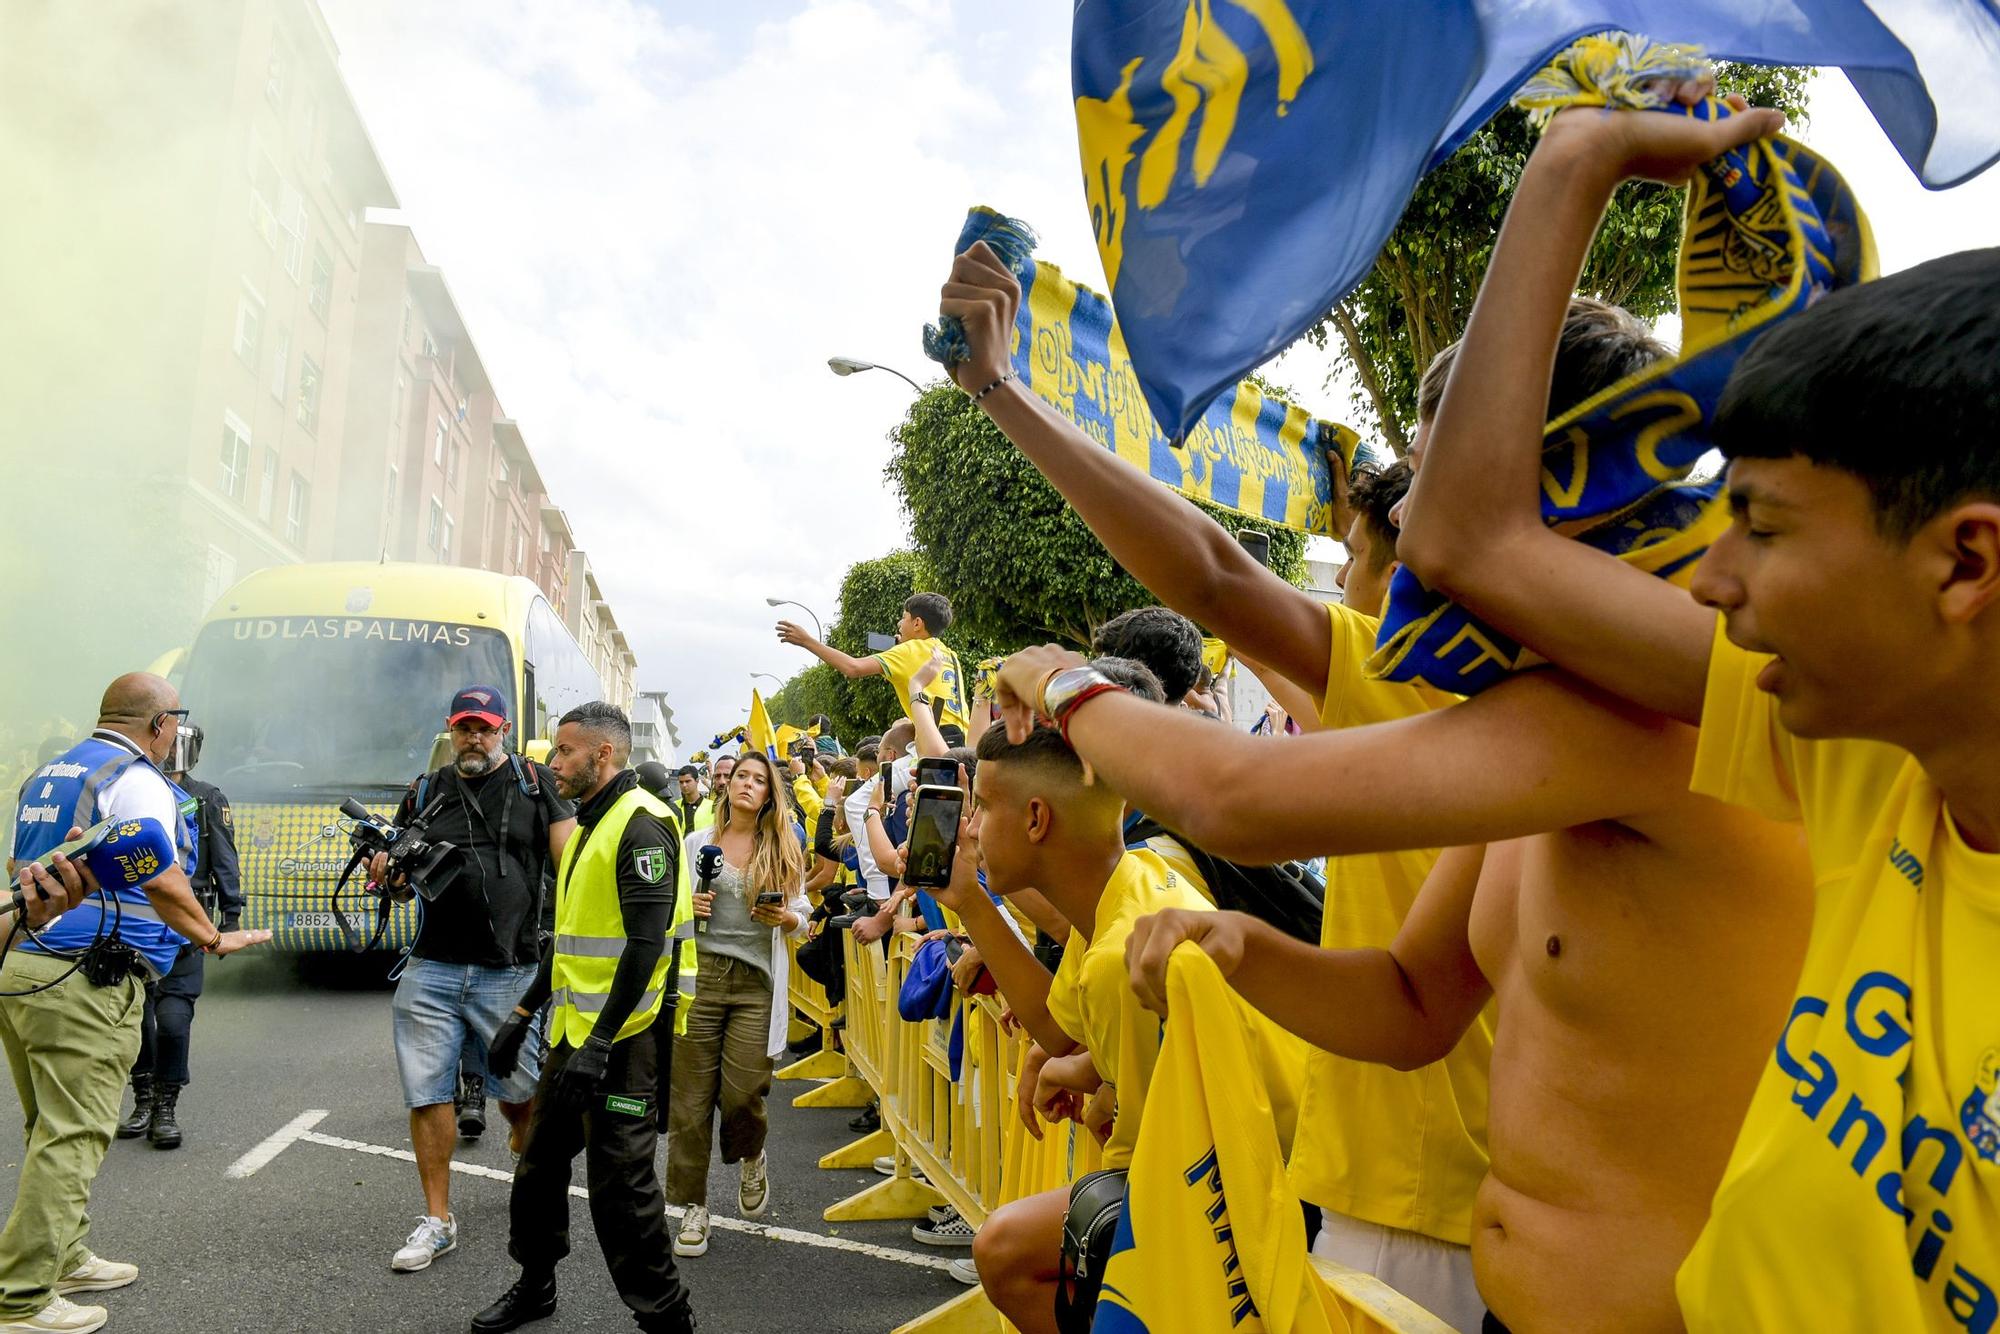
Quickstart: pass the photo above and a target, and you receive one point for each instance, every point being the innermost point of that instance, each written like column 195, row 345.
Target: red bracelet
column 1083, row 697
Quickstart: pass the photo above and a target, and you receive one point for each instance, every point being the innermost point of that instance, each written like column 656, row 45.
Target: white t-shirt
column 856, row 807
column 903, row 773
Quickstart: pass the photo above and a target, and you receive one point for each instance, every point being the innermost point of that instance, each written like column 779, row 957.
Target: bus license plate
column 304, row 920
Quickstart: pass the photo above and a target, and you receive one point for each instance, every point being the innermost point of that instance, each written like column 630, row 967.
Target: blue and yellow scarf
column 1770, row 228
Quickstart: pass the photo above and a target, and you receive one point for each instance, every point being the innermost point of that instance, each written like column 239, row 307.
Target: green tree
column 1018, row 564
column 1417, row 298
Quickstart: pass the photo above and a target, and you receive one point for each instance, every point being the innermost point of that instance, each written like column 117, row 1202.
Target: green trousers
column 69, row 1048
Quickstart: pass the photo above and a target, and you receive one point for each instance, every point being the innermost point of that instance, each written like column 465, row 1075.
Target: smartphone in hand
column 933, row 836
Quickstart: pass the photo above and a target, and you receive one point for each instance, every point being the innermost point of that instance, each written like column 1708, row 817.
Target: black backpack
column 1288, row 895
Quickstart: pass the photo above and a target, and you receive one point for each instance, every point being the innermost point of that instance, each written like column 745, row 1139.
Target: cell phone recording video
column 770, row 898
column 933, row 836
column 938, row 772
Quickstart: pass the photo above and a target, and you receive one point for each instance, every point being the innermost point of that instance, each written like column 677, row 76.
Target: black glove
column 578, row 1083
column 503, row 1053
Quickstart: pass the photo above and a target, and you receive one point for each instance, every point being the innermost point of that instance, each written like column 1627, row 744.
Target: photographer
column 71, row 996
column 737, row 1025
column 478, row 939
column 167, row 1030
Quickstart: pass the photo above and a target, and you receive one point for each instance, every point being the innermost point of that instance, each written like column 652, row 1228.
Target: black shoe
column 141, row 1119
column 531, row 1298
column 471, row 1102
column 680, row 1320
column 807, row 1045
column 869, row 1121
column 165, row 1132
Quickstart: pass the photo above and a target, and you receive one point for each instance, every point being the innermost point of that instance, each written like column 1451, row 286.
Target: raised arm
column 1536, row 753
column 1183, row 557
column 1405, row 1006
column 1473, row 527
column 788, row 633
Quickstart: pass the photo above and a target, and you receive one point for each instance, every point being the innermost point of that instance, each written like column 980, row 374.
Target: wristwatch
column 1066, row 686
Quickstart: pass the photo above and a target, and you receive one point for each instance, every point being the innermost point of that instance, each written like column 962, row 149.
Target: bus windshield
column 324, row 705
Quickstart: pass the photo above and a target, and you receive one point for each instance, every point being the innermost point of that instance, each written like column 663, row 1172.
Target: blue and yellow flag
column 1770, row 229
column 1249, row 453
column 1245, row 160
column 733, row 734
column 758, row 733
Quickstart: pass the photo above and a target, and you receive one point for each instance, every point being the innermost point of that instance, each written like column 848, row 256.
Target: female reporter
column 737, row 1024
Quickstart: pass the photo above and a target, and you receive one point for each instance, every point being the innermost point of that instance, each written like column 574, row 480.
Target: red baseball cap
column 485, row 703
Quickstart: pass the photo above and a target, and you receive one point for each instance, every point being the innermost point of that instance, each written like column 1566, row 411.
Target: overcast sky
column 659, row 227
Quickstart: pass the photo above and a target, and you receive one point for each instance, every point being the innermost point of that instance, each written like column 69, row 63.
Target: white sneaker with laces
column 432, row 1238
column 62, row 1315
column 693, row 1236
column 753, row 1196
column 97, row 1274
column 964, row 1271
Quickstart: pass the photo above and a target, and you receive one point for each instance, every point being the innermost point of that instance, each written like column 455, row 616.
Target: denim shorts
column 445, row 1009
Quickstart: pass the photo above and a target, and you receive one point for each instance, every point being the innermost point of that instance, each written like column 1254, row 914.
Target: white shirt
column 856, row 807
column 140, row 793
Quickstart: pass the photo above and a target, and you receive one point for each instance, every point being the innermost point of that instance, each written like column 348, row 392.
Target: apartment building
column 227, row 354
column 654, row 736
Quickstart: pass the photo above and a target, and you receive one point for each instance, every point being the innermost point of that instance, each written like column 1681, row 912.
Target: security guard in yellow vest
column 606, row 978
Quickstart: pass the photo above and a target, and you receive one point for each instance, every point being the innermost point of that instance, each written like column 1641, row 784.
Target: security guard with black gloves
column 167, row 1030
column 608, row 974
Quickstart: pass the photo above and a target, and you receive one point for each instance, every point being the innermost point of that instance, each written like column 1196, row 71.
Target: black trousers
column 626, row 1203
column 167, row 1031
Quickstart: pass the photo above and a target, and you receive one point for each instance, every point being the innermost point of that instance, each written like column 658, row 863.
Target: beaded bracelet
column 991, row 387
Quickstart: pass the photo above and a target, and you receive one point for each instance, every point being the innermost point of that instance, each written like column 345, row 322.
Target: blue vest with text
column 65, row 792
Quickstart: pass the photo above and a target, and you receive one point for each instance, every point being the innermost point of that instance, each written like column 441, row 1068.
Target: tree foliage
column 1017, row 562
column 1417, row 298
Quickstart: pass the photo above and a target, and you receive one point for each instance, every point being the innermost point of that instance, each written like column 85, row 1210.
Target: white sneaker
column 753, row 1196
column 60, row 1314
column 964, row 1271
column 433, row 1237
column 97, row 1274
column 693, row 1236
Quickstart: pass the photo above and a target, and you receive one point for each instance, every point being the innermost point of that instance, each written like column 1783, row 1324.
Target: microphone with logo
column 120, row 853
column 707, row 865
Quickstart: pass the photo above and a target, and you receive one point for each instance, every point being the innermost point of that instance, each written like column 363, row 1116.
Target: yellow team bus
column 317, row 682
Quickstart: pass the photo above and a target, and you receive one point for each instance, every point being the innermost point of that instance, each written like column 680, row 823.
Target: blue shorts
column 445, row 1009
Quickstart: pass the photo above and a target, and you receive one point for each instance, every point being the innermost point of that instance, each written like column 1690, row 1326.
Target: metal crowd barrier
column 959, row 1141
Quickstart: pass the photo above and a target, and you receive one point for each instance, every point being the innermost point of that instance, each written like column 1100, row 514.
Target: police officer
column 165, row 1033
column 611, row 970
column 71, row 997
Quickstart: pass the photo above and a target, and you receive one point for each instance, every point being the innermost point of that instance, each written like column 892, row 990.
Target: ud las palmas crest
column 650, row 863
column 1979, row 1115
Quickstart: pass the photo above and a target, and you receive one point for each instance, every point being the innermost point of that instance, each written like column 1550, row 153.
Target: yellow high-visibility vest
column 590, row 926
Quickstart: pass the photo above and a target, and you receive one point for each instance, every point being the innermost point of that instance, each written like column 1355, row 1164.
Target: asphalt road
column 304, row 1242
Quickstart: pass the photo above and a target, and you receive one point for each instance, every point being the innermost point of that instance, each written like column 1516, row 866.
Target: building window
column 274, row 77
column 293, row 220
column 235, row 456
column 434, row 528
column 249, row 324
column 281, row 364
column 389, row 493
column 451, row 466
column 295, row 511
column 502, row 472
column 308, row 127
column 265, row 193
column 319, row 295
column 267, row 485
column 219, row 574
column 437, row 442
column 308, row 393
column 444, row 544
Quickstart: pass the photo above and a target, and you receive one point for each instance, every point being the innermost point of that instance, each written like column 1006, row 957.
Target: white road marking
column 286, row 1136
column 716, row 1221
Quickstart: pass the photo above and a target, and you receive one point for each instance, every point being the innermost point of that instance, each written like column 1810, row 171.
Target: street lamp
column 768, row 677
column 849, row 365
column 783, row 602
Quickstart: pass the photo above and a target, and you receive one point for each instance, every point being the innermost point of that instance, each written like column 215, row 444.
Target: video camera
column 428, row 866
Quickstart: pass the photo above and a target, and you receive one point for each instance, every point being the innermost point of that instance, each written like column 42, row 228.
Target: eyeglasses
column 181, row 714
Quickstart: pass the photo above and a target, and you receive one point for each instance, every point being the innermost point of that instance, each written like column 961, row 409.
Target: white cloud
column 659, row 229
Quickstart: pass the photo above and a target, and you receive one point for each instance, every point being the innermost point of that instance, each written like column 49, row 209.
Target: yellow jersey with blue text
column 1401, row 1149
column 905, row 659
column 1864, row 1189
column 1092, row 1000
